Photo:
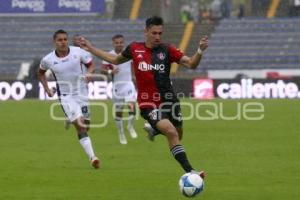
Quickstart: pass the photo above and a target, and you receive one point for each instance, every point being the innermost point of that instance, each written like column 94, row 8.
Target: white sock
column 119, row 124
column 87, row 146
column 131, row 120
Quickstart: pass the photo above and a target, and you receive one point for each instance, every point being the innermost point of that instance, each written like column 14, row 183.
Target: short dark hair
column 60, row 31
column 77, row 35
column 117, row 36
column 154, row 20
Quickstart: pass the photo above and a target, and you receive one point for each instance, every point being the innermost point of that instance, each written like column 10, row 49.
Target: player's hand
column 51, row 92
column 88, row 77
column 115, row 70
column 85, row 44
column 203, row 44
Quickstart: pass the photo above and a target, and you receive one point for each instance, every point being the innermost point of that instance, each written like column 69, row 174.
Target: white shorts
column 75, row 106
column 124, row 94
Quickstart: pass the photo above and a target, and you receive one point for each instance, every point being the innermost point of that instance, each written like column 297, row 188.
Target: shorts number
column 84, row 109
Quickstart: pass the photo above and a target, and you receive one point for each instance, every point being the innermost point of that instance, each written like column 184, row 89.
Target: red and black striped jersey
column 152, row 72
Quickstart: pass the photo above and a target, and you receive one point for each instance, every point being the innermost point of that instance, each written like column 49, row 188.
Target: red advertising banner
column 203, row 88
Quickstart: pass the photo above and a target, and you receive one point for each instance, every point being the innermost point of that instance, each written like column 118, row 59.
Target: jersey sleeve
column 85, row 56
column 175, row 54
column 127, row 52
column 106, row 65
column 105, row 62
column 44, row 65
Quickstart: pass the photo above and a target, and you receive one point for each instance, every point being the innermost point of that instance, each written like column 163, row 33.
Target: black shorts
column 171, row 111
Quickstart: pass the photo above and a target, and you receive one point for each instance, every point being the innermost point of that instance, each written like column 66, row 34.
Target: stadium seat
column 254, row 44
column 35, row 40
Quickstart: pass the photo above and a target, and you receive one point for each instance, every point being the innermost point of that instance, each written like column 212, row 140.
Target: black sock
column 131, row 113
column 82, row 135
column 180, row 155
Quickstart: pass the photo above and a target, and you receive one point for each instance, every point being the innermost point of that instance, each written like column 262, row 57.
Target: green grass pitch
column 243, row 160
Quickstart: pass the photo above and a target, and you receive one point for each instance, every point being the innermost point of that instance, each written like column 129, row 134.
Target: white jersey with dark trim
column 68, row 71
column 124, row 74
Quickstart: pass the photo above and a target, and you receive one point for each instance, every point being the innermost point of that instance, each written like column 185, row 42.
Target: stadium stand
column 122, row 9
column 254, row 44
column 249, row 43
column 145, row 12
column 26, row 38
column 260, row 7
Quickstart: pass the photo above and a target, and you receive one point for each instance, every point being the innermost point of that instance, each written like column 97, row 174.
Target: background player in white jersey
column 124, row 92
column 67, row 64
column 76, row 43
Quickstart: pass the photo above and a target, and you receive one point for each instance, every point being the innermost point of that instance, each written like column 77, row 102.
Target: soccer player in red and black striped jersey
column 157, row 101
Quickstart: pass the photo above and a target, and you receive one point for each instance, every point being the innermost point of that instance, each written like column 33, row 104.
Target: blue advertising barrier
column 51, row 6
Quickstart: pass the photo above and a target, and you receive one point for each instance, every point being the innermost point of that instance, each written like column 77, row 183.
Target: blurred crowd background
column 248, row 38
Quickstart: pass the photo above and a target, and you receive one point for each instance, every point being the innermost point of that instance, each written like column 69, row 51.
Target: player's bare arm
column 89, row 72
column 109, row 69
column 133, row 75
column 111, row 58
column 115, row 70
column 42, row 79
column 193, row 62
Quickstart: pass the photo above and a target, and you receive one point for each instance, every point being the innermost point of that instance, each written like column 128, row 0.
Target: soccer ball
column 190, row 184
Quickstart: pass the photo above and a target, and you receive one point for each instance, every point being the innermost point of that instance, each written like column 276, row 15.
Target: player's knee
column 82, row 129
column 171, row 133
column 132, row 113
column 87, row 124
column 119, row 115
column 118, row 107
column 81, row 126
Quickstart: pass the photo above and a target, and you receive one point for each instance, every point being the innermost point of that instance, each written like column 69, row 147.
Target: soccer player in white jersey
column 76, row 43
column 124, row 92
column 67, row 64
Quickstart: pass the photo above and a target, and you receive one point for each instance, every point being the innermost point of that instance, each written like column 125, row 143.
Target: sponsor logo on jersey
column 179, row 117
column 153, row 115
column 143, row 66
column 161, row 56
